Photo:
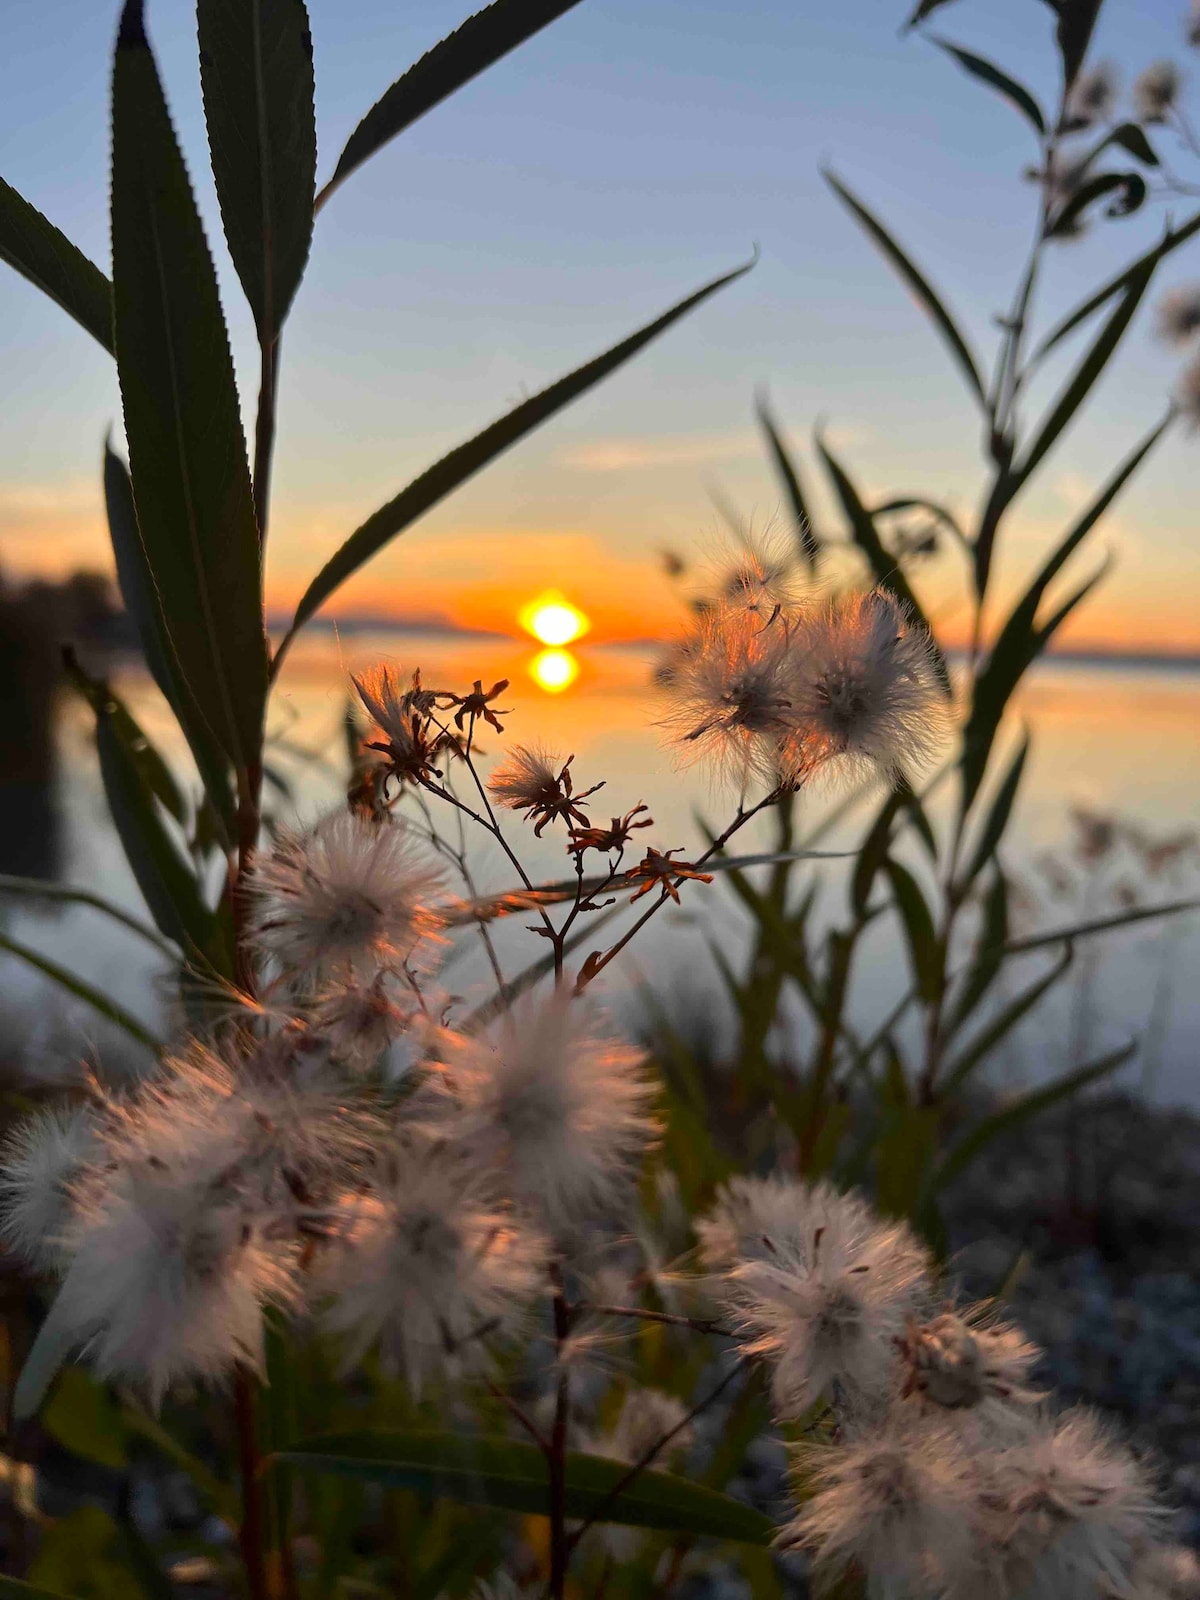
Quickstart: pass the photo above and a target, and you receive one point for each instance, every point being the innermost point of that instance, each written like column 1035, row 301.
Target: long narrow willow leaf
column 987, row 72
column 1084, row 930
column 1171, row 240
column 919, row 285
column 482, row 40
column 36, row 889
column 463, row 462
column 36, row 249
column 187, row 452
column 789, row 473
column 99, row 1002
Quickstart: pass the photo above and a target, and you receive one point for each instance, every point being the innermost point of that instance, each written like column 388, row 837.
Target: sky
column 628, row 153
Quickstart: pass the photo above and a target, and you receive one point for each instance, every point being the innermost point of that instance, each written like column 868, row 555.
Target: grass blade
column 997, row 818
column 884, row 566
column 923, row 942
column 187, row 453
column 256, row 73
column 512, row 1475
column 918, row 284
column 99, row 1002
column 36, row 889
column 1083, row 930
column 481, row 41
column 463, row 462
column 806, row 538
column 35, row 248
column 1006, row 1019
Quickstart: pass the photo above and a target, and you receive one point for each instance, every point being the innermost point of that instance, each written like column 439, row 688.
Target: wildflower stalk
column 740, row 820
column 556, row 1461
column 251, row 1531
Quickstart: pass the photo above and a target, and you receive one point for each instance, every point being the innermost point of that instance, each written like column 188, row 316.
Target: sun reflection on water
column 554, row 670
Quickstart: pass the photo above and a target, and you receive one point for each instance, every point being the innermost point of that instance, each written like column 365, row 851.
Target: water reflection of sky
column 1111, row 738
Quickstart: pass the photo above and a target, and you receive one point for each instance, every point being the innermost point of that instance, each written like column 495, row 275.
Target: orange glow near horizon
column 554, row 670
column 553, row 620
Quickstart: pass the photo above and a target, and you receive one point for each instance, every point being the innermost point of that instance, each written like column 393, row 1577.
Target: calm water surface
column 1113, row 739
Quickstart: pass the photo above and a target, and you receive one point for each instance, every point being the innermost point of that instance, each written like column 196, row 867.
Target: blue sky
column 630, row 151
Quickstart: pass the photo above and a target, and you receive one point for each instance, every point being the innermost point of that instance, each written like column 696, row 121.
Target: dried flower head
column 825, row 1309
column 426, row 1264
column 42, row 1161
column 1093, row 95
column 348, row 896
column 961, row 1360
column 535, row 782
column 759, row 580
column 656, row 870
column 613, row 838
column 896, row 1504
column 863, row 689
column 1156, row 91
column 561, row 1108
column 730, row 693
column 478, row 705
column 1068, row 1509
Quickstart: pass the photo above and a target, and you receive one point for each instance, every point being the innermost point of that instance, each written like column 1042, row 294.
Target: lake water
column 1115, row 739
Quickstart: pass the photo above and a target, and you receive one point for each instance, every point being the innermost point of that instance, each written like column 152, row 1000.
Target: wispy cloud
column 623, row 455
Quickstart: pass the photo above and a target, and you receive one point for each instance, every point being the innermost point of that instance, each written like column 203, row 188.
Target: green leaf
column 1020, row 640
column 187, row 453
column 1171, row 240
column 463, row 462
column 989, row 953
column 164, row 876
column 965, row 1150
column 139, row 592
column 1076, row 20
column 806, row 539
column 923, row 944
column 923, row 9
column 82, row 1416
column 887, row 574
column 1132, row 137
column 1086, row 374
column 38, row 251
column 918, row 284
column 1128, row 187
column 872, row 854
column 1004, row 1021
column 15, row 1589
column 1016, row 94
column 82, row 991
column 39, row 889
column 256, row 73
column 997, row 817
column 482, row 40
column 509, row 1473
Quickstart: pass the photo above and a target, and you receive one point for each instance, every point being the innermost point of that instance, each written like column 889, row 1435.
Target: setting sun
column 553, row 619
column 554, row 670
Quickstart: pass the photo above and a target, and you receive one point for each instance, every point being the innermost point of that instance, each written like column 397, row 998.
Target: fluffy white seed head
column 729, row 695
column 560, row 1108
column 1068, row 1510
column 764, row 1218
column 43, row 1160
column 825, row 1309
column 863, row 690
column 1093, row 94
column 1177, row 318
column 357, row 1021
column 168, row 1279
column 1167, row 1572
column 648, row 1418
column 349, row 896
column 425, row 1265
column 1156, row 91
column 897, row 1504
column 973, row 1364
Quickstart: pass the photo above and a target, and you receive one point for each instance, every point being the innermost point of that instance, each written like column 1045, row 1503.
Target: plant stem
column 251, row 1531
column 556, row 1461
column 264, row 433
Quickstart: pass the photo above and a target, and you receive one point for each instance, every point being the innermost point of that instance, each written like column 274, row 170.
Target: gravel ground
column 1104, row 1198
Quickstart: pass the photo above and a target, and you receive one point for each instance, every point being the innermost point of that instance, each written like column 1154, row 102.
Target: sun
column 553, row 620
column 554, row 670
